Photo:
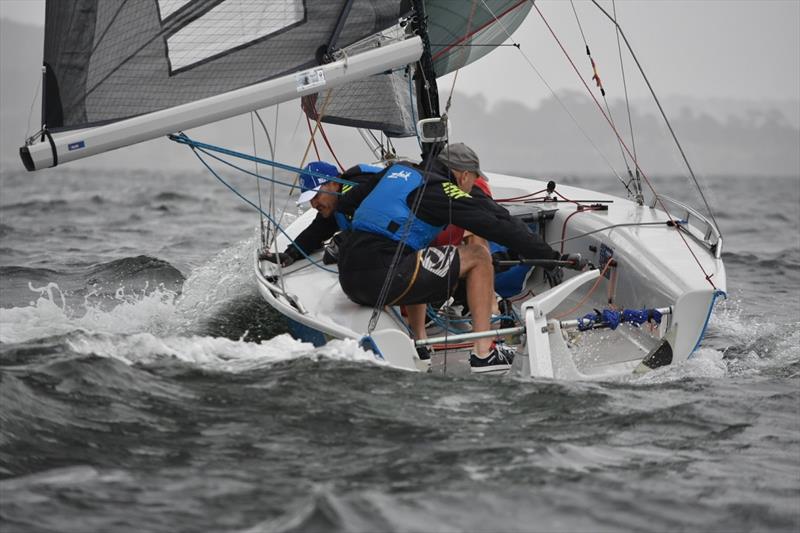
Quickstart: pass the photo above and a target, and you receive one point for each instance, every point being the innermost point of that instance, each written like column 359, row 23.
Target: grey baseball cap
column 459, row 156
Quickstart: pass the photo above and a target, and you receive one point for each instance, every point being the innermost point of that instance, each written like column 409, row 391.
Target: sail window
column 168, row 7
column 229, row 26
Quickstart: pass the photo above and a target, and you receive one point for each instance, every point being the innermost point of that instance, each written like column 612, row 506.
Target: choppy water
column 145, row 387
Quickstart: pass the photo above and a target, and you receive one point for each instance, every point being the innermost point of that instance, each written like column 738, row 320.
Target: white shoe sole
column 489, row 369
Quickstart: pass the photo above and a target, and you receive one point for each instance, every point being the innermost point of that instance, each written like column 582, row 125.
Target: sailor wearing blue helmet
column 323, row 194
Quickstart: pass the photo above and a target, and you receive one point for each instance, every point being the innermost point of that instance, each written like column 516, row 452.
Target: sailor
column 323, row 194
column 407, row 205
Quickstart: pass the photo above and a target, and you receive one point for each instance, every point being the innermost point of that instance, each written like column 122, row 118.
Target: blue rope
column 245, row 171
column 612, row 319
column 257, row 208
column 436, row 319
column 182, row 138
column 402, row 321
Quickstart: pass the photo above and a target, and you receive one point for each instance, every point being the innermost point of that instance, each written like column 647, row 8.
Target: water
column 144, row 386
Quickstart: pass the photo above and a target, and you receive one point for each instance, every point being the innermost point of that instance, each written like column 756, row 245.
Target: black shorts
column 430, row 275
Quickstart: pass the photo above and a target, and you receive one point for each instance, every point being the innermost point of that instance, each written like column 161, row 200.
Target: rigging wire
column 657, row 198
column 405, row 231
column 557, row 98
column 637, row 178
column 463, row 53
column 270, row 238
column 663, row 115
column 33, row 102
column 412, row 103
column 598, row 81
column 258, row 181
column 184, row 139
column 254, row 206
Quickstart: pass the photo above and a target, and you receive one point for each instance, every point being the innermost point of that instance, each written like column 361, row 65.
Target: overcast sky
column 704, row 49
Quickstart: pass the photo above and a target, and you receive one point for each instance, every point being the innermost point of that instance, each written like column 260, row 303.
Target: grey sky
column 704, row 48
column 728, row 73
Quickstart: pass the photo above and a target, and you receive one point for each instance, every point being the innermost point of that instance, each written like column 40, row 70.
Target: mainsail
column 118, row 72
column 107, row 60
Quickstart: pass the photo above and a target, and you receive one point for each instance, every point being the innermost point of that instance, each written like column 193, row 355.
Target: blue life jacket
column 385, row 210
column 342, row 221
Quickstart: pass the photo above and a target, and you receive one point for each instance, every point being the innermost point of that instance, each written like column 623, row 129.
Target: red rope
column 313, row 141
column 625, row 146
column 328, row 144
column 588, row 294
column 452, row 346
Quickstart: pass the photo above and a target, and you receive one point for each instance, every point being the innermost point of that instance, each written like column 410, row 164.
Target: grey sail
column 107, row 60
column 460, row 32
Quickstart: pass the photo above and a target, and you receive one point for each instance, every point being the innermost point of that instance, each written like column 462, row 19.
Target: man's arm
column 312, row 238
column 321, row 229
column 445, row 203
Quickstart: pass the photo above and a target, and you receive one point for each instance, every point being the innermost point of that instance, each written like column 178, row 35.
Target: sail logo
column 399, row 174
column 203, row 34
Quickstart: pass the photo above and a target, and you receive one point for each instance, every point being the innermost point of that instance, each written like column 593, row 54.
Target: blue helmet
column 310, row 183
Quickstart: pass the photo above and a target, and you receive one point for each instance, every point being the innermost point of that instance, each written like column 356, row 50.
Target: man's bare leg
column 474, row 239
column 476, row 268
column 416, row 320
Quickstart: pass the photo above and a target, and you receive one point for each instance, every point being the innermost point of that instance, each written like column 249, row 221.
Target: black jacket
column 441, row 204
column 321, row 229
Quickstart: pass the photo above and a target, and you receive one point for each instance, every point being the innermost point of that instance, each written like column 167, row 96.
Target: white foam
column 212, row 353
column 217, row 283
column 704, row 363
column 48, row 316
column 224, row 278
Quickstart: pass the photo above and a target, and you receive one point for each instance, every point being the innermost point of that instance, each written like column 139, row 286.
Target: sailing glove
column 554, row 276
column 576, row 261
column 331, row 255
column 284, row 258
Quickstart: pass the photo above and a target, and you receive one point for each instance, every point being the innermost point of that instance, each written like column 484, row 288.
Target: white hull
column 655, row 269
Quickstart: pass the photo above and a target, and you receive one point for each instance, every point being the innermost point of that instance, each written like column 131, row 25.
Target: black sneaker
column 424, row 354
column 498, row 360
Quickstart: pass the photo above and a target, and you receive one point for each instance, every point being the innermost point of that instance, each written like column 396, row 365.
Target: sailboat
column 119, row 72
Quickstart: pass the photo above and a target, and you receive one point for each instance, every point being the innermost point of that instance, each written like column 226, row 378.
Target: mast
column 425, row 76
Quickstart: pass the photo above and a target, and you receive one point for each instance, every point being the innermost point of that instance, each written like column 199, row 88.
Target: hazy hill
column 720, row 137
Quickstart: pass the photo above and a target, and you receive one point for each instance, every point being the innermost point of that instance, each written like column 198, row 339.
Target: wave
column 139, row 295
column 788, row 259
column 170, row 196
column 101, row 286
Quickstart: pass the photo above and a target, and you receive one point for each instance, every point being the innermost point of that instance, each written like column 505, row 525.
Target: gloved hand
column 554, row 276
column 331, row 255
column 501, row 256
column 577, row 262
column 283, row 258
